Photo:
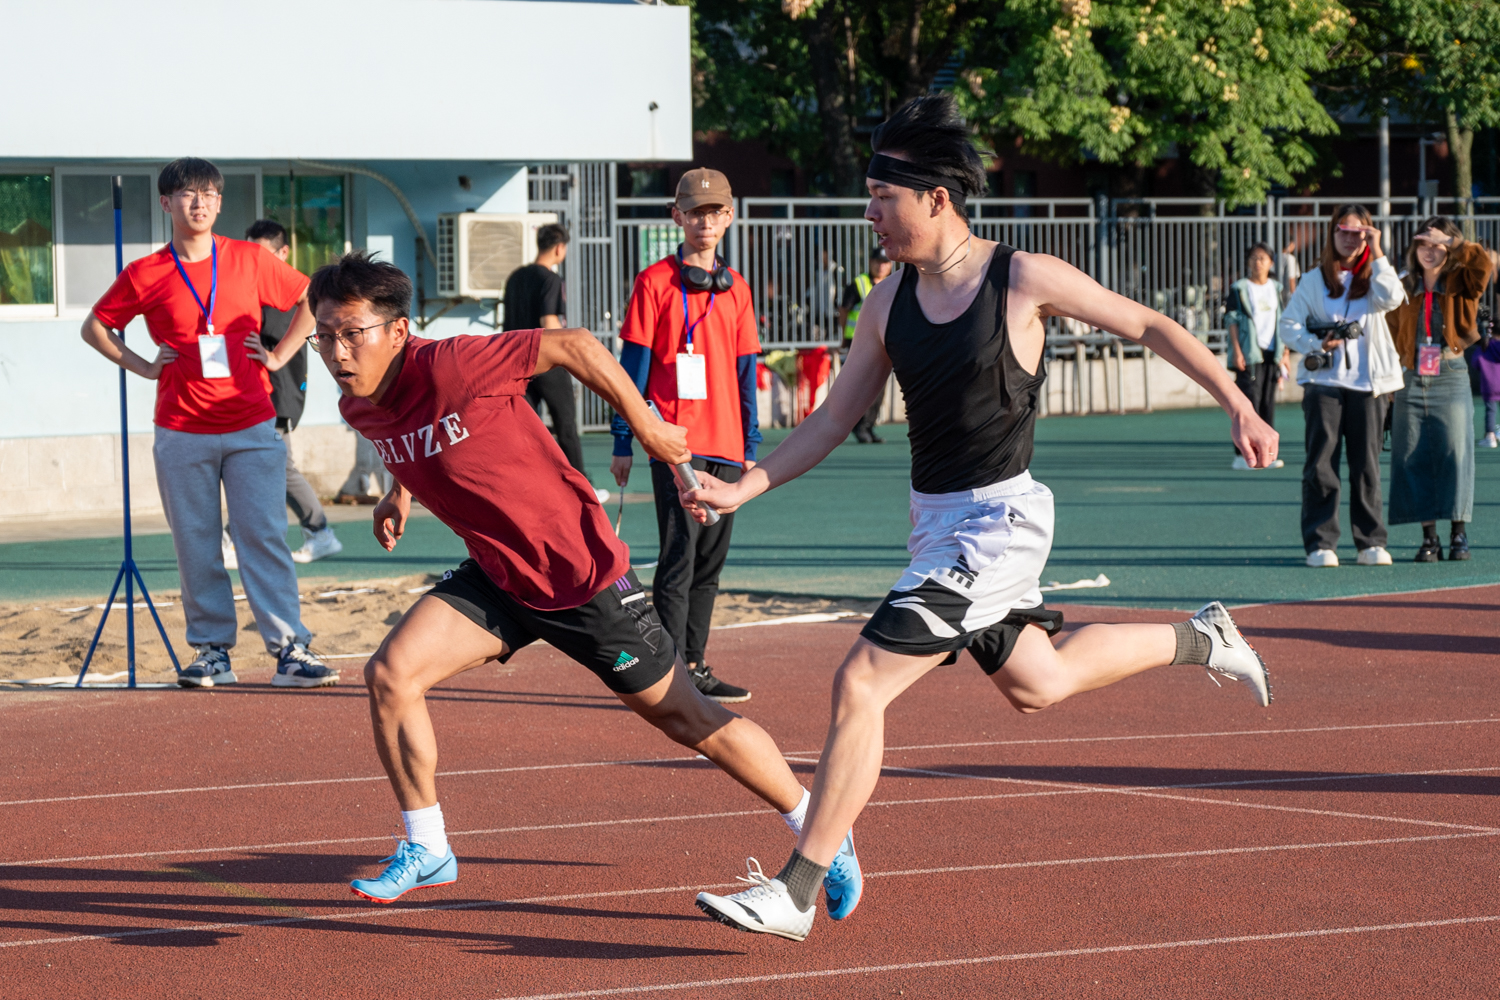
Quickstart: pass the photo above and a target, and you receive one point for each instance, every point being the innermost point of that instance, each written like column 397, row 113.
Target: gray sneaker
column 209, row 669
column 296, row 666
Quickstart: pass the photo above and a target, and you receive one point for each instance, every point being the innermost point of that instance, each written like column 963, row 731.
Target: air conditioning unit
column 478, row 251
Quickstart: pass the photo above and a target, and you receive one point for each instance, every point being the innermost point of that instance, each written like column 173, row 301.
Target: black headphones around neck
column 696, row 279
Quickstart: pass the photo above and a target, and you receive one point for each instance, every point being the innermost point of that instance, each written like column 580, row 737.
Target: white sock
column 425, row 827
column 796, row 816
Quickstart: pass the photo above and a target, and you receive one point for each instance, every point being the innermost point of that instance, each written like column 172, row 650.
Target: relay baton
column 686, row 474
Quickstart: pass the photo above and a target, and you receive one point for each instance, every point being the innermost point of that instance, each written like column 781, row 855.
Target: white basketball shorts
column 976, row 563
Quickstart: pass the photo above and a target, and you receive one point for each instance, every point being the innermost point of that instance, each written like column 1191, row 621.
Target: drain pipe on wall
column 411, row 213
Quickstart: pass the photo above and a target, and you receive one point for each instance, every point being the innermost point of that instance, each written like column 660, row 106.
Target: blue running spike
column 843, row 884
column 411, row 867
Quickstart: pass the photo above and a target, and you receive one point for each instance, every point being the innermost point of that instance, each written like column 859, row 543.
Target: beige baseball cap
column 703, row 187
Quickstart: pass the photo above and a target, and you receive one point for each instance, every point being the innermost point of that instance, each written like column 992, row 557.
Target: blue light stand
column 128, row 571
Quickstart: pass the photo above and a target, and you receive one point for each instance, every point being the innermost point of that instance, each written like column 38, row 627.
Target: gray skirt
column 1432, row 447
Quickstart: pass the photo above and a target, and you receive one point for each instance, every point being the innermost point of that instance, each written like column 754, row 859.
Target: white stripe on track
column 386, row 911
column 1186, row 736
column 1051, row 788
column 948, row 963
column 1155, row 792
column 789, row 755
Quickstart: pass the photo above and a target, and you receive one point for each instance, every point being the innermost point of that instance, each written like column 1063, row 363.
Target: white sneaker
column 1489, row 441
column 1319, row 558
column 764, row 908
column 1239, row 464
column 601, row 495
column 1375, row 555
column 317, row 544
column 231, row 558
column 1230, row 655
column 1278, row 464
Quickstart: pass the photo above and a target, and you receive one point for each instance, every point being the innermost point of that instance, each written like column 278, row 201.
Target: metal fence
column 1176, row 255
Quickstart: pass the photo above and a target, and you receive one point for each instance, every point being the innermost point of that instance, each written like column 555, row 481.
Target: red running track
column 1161, row 838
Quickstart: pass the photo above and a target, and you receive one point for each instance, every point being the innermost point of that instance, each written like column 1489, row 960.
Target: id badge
column 1429, row 359
column 692, row 377
column 214, row 355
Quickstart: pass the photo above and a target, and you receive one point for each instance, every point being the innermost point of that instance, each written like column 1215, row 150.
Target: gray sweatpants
column 300, row 496
column 252, row 466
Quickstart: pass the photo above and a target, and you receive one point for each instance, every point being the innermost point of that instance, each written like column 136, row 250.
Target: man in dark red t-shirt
column 451, row 421
column 689, row 342
column 201, row 296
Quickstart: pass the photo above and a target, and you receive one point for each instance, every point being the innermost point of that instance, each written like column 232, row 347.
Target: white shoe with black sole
column 764, row 908
column 1230, row 655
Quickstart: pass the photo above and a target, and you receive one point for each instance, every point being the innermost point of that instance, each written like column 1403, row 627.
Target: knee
column 387, row 682
column 854, row 685
column 687, row 727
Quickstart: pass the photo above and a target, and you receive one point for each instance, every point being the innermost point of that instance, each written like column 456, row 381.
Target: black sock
column 1430, row 530
column 802, row 878
column 1192, row 646
column 1458, row 529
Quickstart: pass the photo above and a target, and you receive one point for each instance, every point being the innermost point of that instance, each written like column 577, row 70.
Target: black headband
column 911, row 175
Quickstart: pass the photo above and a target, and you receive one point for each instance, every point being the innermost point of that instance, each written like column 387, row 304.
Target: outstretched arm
column 1057, row 288
column 590, row 362
column 860, row 382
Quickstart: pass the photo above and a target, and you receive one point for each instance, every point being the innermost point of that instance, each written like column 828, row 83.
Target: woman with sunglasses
column 1432, row 424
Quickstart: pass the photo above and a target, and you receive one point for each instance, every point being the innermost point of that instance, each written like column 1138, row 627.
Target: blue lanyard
column 694, row 324
column 711, row 296
column 213, row 288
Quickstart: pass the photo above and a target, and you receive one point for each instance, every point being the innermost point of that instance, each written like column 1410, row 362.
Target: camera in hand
column 1341, row 330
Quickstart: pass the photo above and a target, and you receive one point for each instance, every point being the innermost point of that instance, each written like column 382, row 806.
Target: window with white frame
column 26, row 240
column 86, row 229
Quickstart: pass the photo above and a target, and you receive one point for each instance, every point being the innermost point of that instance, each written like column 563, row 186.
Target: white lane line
column 864, row 970
column 615, row 893
column 345, row 781
column 1156, row 792
column 1188, row 736
column 1051, row 788
column 688, row 760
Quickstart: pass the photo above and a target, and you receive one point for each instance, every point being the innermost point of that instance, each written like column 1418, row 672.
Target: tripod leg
column 108, row 604
column 161, row 629
column 130, row 621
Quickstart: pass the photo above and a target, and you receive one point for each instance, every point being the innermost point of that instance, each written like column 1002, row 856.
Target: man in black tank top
column 962, row 328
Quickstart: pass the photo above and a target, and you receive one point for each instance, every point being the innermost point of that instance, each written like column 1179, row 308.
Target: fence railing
column 1176, row 255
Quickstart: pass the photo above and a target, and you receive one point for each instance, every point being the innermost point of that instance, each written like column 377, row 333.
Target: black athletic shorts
column 615, row 634
column 898, row 631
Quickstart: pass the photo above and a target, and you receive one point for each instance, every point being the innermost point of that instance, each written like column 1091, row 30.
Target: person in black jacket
column 289, row 396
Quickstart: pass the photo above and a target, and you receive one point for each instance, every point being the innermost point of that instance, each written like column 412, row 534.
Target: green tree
column 813, row 76
column 1228, row 82
column 1436, row 61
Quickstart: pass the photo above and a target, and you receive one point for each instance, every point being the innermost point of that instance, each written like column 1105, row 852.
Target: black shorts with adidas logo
column 616, row 633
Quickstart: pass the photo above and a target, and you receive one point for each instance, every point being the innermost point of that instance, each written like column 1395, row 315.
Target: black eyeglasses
column 350, row 338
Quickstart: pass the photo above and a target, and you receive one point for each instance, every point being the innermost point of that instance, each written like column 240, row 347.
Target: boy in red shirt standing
column 201, row 296
column 452, row 423
column 689, row 342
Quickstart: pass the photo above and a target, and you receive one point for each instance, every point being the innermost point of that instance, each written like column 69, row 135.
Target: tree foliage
column 1434, row 61
column 1226, row 82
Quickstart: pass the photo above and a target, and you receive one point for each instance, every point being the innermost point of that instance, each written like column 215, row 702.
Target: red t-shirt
column 249, row 278
column 654, row 319
column 456, row 430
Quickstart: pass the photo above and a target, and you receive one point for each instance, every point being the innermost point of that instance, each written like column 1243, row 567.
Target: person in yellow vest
column 854, row 297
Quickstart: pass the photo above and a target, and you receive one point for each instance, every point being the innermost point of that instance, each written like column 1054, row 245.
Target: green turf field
column 1146, row 499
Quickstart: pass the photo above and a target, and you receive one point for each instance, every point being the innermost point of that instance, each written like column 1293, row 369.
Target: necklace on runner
column 213, row 354
column 956, row 262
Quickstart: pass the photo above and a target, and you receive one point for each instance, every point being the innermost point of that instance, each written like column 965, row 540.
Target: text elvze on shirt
column 426, row 438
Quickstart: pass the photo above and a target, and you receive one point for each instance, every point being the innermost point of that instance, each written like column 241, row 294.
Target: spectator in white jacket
column 1349, row 371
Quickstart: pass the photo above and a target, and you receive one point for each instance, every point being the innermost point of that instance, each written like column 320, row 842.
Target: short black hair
column 1263, row 248
column 550, row 236
column 269, row 230
column 188, row 173
column 931, row 132
column 357, row 277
